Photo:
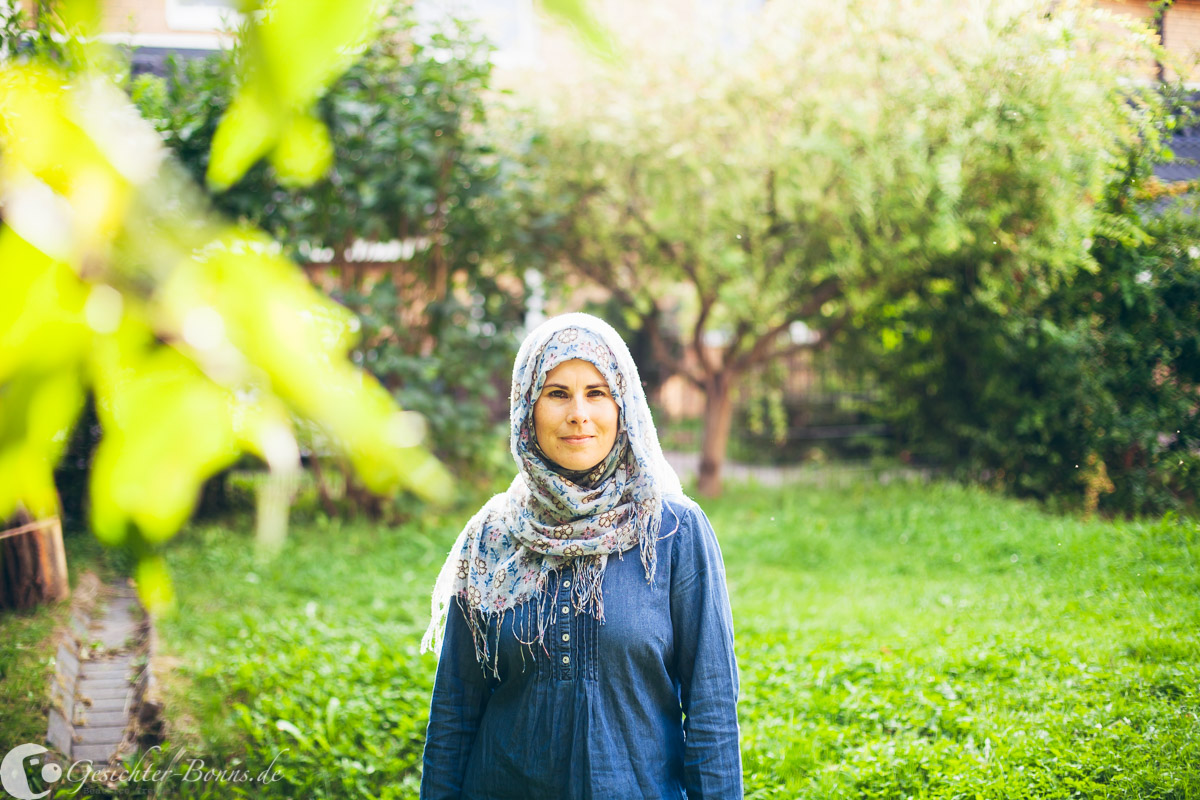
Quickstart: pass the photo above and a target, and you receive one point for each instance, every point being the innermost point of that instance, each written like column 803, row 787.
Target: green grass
column 27, row 649
column 900, row 641
column 941, row 642
column 26, row 666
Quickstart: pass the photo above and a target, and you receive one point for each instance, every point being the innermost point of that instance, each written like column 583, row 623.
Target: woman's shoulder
column 679, row 499
column 679, row 506
column 683, row 518
column 691, row 542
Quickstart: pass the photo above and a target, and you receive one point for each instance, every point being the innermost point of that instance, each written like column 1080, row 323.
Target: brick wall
column 1134, row 8
column 1181, row 29
column 1139, row 10
column 145, row 23
column 134, row 16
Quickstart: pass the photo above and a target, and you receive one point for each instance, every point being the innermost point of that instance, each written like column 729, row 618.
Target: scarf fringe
column 546, row 520
column 587, row 597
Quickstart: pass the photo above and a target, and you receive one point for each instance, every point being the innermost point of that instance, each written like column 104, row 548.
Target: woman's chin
column 578, row 464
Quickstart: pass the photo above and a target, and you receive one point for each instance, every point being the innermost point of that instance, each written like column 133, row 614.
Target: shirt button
column 566, row 637
column 566, row 659
column 565, row 609
column 566, row 584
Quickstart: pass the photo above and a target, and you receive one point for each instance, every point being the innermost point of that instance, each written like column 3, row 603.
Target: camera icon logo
column 12, row 771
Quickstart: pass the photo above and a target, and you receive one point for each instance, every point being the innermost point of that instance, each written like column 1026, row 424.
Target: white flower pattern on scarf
column 551, row 517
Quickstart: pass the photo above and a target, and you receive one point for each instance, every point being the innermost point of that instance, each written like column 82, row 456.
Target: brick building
column 189, row 26
column 1178, row 27
column 157, row 28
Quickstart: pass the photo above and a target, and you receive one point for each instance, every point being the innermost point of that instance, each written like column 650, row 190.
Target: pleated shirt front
column 643, row 705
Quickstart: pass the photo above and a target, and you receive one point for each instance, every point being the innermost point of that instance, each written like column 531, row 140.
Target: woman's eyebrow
column 561, row 386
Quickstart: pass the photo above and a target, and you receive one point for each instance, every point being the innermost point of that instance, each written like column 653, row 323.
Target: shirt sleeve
column 706, row 663
column 460, row 694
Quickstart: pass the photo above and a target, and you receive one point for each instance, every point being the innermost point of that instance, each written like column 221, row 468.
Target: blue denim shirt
column 643, row 705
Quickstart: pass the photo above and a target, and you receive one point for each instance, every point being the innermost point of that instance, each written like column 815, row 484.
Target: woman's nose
column 578, row 411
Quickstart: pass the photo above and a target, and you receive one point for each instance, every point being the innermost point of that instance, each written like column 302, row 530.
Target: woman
column 588, row 643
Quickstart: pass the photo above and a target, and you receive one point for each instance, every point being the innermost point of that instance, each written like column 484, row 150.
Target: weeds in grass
column 894, row 642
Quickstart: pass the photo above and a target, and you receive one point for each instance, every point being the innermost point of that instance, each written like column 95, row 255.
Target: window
column 509, row 25
column 202, row 15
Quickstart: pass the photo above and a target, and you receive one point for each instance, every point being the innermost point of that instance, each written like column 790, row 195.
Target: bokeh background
column 913, row 287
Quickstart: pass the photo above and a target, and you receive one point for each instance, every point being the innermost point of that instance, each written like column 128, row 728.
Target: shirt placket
column 564, row 632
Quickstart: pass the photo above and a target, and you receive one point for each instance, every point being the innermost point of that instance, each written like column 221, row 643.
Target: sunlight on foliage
column 812, row 162
column 576, row 15
column 198, row 339
column 293, row 51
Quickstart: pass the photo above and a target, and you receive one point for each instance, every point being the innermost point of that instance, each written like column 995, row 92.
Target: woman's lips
column 576, row 439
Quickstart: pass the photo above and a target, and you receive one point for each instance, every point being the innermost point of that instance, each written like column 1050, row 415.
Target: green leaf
column 80, row 17
column 36, row 415
column 167, row 429
column 246, row 133
column 293, row 51
column 154, row 585
column 287, row 727
column 577, row 16
column 304, row 152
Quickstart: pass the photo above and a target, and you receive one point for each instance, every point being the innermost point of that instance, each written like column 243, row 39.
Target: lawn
column 26, row 667
column 894, row 641
column 27, row 646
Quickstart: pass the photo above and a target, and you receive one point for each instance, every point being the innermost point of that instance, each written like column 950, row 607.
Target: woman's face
column 575, row 417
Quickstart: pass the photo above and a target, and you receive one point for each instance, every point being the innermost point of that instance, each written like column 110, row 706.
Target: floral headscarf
column 551, row 517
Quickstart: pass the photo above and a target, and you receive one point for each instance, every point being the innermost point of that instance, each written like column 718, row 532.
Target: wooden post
column 33, row 565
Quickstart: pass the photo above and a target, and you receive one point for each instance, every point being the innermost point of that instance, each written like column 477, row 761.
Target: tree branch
column 827, row 335
column 696, row 381
column 665, row 246
column 775, row 226
column 706, row 304
column 735, row 341
column 600, row 274
column 821, row 294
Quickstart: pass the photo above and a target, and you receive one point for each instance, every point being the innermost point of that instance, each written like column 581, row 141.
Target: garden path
column 687, row 466
column 100, row 677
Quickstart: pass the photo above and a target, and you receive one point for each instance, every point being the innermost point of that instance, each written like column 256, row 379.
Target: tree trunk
column 323, row 493
column 33, row 565
column 654, row 353
column 718, row 414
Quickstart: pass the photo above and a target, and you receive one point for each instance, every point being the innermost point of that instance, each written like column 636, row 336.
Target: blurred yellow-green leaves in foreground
column 293, row 51
column 577, row 15
column 197, row 338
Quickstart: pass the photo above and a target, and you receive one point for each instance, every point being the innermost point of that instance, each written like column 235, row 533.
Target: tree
column 198, row 339
column 1085, row 394
column 846, row 155
column 438, row 317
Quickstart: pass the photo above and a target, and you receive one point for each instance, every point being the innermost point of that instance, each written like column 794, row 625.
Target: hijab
column 551, row 518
